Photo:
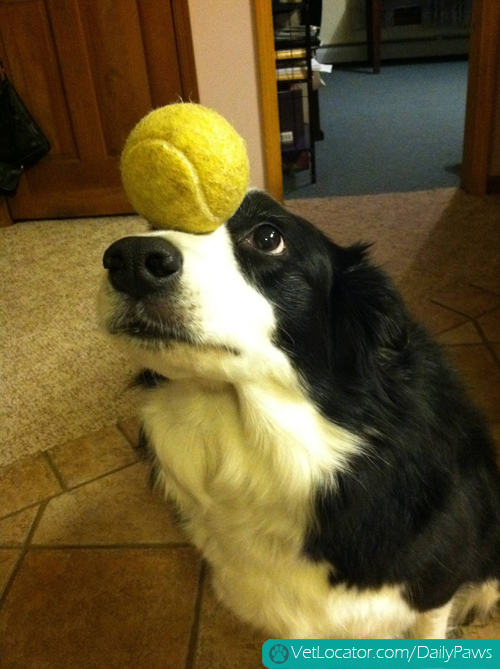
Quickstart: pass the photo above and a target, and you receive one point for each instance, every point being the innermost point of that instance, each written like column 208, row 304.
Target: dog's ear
column 368, row 319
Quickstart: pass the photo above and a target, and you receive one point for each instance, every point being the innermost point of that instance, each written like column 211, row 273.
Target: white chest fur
column 242, row 464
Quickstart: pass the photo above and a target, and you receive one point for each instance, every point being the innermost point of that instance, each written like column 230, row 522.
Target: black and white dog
column 321, row 452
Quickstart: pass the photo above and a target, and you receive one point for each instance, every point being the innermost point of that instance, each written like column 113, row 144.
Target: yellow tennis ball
column 185, row 167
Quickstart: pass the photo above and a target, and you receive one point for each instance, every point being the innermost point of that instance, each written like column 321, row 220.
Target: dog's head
column 266, row 294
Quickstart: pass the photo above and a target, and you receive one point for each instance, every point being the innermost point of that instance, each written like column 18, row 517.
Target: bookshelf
column 295, row 41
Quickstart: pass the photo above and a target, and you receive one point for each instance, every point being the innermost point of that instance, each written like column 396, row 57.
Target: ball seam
column 205, row 210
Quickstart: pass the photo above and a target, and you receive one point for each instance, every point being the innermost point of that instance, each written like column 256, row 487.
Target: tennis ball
column 185, row 167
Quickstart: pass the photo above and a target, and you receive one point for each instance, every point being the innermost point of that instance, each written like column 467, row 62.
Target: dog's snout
column 141, row 266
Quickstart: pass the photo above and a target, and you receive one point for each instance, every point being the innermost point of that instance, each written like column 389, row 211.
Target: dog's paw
column 279, row 653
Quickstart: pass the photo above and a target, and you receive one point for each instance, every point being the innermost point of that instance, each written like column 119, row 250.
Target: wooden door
column 88, row 70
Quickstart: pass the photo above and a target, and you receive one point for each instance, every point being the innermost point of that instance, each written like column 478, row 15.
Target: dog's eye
column 268, row 239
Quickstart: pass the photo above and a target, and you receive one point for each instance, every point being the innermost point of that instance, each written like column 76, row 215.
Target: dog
column 320, row 450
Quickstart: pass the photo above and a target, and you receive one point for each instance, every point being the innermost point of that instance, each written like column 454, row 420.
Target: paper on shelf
column 320, row 67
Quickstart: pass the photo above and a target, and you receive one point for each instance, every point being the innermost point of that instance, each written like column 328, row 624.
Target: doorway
column 402, row 129
column 480, row 105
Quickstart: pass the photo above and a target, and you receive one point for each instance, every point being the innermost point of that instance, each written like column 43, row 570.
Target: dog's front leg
column 432, row 624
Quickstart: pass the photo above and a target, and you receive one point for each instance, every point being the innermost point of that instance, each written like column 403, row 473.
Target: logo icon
column 279, row 653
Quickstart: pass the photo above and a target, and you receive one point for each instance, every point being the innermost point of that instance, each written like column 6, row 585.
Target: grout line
column 29, row 506
column 73, row 547
column 488, row 312
column 478, row 329
column 455, row 311
column 23, row 553
column 461, row 313
column 46, row 455
column 463, row 345
column 101, row 476
column 488, row 344
column 495, row 355
column 195, row 628
column 63, row 492
column 485, row 290
column 453, row 327
column 126, row 437
column 35, row 524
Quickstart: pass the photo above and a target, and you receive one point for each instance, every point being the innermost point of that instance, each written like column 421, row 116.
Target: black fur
column 148, row 379
column 421, row 507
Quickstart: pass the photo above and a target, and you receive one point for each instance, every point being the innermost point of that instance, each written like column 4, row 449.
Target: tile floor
column 94, row 575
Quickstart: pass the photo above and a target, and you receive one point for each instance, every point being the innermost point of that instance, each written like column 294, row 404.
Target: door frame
column 269, row 97
column 185, row 50
column 484, row 70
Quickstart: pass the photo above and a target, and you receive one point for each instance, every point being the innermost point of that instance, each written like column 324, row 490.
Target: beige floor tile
column 15, row 529
column 224, row 642
column 463, row 334
column 490, row 325
column 8, row 559
column 481, row 376
column 26, row 482
column 100, row 609
column 436, row 318
column 131, row 430
column 87, row 458
column 467, row 300
column 116, row 509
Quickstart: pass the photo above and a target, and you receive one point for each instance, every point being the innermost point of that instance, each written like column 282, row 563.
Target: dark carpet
column 400, row 130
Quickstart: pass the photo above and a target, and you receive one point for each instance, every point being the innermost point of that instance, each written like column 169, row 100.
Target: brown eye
column 268, row 239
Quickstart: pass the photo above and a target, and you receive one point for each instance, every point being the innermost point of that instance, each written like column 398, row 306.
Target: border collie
column 320, row 450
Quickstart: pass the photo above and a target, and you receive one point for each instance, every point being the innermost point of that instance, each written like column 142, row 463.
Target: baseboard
column 419, row 48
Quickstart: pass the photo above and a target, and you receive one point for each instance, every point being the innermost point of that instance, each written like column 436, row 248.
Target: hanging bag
column 22, row 143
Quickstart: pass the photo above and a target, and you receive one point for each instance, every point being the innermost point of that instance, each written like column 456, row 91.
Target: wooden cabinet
column 88, row 70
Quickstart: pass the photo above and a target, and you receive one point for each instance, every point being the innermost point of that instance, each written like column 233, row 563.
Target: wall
column 343, row 22
column 343, row 34
column 227, row 70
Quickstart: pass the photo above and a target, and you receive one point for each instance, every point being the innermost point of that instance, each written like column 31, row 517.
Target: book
column 290, row 54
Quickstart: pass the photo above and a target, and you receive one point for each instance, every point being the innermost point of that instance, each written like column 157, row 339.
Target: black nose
column 141, row 266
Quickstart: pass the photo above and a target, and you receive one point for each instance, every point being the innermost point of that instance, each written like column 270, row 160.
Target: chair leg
column 373, row 32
